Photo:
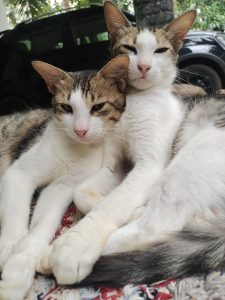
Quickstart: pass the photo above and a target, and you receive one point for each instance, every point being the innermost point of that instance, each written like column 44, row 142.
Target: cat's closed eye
column 66, row 108
column 161, row 50
column 130, row 48
column 97, row 107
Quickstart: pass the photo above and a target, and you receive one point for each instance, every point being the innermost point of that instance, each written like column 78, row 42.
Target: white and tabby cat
column 149, row 124
column 181, row 231
column 60, row 150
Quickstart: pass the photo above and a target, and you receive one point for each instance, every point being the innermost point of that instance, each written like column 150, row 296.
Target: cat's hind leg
column 191, row 185
column 19, row 270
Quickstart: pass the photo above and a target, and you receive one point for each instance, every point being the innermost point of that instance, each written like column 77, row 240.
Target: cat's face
column 152, row 58
column 87, row 105
column 152, row 52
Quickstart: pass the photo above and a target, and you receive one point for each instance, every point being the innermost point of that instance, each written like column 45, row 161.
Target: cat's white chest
column 58, row 157
column 137, row 121
column 80, row 160
column 150, row 119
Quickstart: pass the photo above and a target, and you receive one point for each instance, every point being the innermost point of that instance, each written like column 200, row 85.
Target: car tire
column 201, row 75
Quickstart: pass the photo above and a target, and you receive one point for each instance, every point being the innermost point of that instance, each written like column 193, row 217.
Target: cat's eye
column 66, row 108
column 161, row 50
column 130, row 48
column 97, row 107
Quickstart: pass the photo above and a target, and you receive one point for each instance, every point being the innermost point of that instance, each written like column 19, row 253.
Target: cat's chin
column 141, row 84
column 85, row 140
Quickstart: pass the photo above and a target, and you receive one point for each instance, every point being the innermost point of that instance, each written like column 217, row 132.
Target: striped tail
column 185, row 254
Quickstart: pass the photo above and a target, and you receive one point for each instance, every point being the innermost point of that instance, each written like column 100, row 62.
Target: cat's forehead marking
column 75, row 96
column 82, row 80
column 92, row 97
column 146, row 40
column 77, row 100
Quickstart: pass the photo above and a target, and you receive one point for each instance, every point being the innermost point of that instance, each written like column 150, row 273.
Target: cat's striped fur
column 19, row 132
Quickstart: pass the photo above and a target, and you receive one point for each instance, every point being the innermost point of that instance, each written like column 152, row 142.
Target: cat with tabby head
column 57, row 149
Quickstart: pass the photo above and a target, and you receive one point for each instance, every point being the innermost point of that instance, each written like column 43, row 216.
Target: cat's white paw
column 43, row 263
column 85, row 198
column 123, row 239
column 18, row 273
column 11, row 291
column 72, row 256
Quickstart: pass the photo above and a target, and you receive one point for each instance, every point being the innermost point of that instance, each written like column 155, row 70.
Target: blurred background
column 211, row 13
column 72, row 35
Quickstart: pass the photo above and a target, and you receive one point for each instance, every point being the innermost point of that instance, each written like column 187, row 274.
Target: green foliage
column 28, row 8
column 211, row 13
column 20, row 10
column 126, row 5
column 123, row 4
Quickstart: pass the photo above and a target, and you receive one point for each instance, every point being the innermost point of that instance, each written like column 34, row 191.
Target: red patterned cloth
column 45, row 288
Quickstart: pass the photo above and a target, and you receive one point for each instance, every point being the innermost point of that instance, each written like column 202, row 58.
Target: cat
column 59, row 150
column 149, row 124
column 181, row 231
column 122, row 36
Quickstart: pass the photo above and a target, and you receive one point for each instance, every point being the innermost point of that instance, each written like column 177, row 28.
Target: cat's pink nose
column 80, row 133
column 144, row 69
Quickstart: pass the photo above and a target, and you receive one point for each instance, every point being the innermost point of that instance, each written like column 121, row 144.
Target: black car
column 78, row 40
column 202, row 60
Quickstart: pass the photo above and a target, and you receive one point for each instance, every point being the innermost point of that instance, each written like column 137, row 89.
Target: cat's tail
column 185, row 254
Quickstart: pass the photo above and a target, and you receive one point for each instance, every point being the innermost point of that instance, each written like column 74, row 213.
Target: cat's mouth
column 143, row 77
column 87, row 139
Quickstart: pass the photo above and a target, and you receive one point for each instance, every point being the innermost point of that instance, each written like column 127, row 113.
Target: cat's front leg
column 18, row 272
column 17, row 190
column 72, row 256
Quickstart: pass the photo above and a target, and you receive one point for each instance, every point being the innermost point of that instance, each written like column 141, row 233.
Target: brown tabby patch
column 128, row 36
column 125, row 36
column 96, row 90
column 18, row 132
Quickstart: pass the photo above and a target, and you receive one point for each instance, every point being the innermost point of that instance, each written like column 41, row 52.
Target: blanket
column 210, row 287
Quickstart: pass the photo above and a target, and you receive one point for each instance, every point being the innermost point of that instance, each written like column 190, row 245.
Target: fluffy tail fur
column 188, row 253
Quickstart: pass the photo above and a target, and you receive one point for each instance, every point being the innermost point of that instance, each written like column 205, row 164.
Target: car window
column 17, row 41
column 47, row 39
column 24, row 42
column 89, row 31
column 220, row 37
column 199, row 40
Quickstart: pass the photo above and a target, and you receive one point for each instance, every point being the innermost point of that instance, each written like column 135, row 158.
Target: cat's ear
column 52, row 75
column 115, row 19
column 117, row 70
column 178, row 28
